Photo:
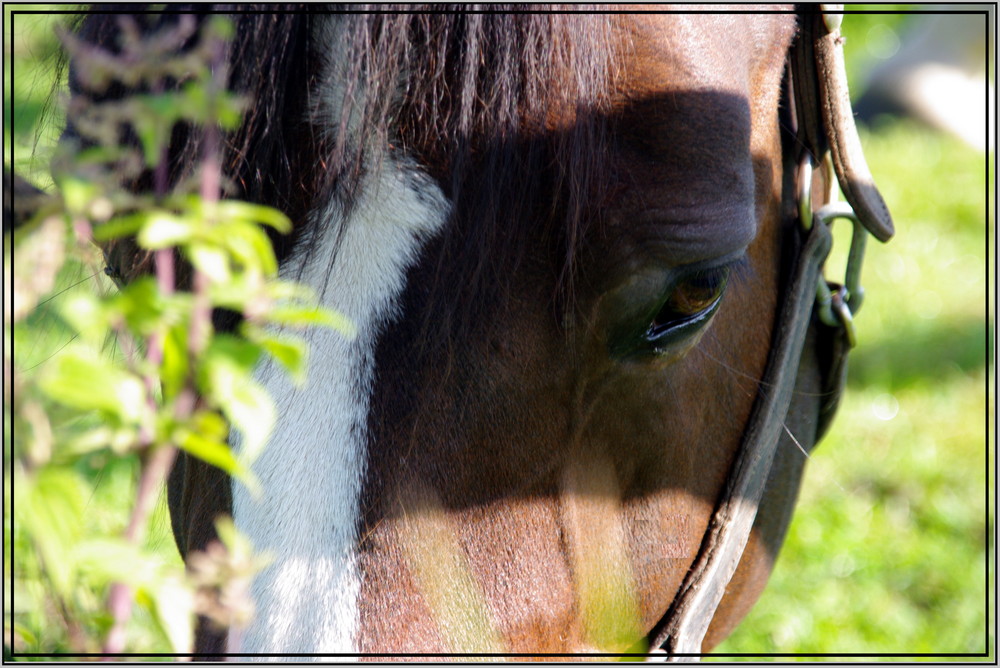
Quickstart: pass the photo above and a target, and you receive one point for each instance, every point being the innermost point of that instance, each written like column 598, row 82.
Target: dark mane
column 477, row 92
column 468, row 94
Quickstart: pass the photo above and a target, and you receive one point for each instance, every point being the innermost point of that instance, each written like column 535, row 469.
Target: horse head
column 566, row 242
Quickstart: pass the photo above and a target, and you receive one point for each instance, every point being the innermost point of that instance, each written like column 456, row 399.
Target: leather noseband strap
column 825, row 134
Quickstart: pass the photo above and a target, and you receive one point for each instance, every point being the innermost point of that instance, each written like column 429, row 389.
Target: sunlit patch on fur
column 444, row 576
column 602, row 571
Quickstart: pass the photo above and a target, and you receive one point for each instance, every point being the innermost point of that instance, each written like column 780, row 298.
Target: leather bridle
column 825, row 140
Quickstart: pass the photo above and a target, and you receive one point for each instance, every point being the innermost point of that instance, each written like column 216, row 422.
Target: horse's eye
column 691, row 302
column 660, row 312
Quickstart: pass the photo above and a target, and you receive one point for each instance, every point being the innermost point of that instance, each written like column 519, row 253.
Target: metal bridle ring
column 837, row 309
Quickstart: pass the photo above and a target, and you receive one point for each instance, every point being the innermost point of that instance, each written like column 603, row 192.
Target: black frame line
column 202, row 8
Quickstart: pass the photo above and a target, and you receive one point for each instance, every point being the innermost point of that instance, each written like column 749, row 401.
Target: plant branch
column 211, row 180
column 155, row 462
column 154, row 472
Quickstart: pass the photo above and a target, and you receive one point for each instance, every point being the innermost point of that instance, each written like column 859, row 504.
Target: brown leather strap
column 825, row 94
column 825, row 124
column 805, row 93
column 728, row 532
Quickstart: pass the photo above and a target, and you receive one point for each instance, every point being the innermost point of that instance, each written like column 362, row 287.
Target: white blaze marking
column 312, row 469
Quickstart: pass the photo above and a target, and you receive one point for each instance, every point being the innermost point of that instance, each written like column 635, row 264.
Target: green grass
column 888, row 549
column 30, row 66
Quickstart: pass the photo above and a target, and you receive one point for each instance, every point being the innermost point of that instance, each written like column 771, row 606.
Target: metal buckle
column 837, row 304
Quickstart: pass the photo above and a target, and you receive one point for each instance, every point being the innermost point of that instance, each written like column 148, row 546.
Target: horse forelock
column 472, row 97
column 435, row 145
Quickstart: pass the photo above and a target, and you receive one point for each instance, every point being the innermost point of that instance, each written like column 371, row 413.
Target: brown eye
column 691, row 302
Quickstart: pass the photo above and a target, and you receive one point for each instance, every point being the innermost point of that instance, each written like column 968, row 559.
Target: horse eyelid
column 684, row 314
column 666, row 328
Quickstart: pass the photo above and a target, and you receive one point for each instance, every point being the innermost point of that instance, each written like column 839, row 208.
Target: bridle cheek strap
column 729, row 529
column 826, row 131
column 849, row 162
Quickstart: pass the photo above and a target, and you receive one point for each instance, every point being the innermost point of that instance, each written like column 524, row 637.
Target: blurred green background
column 888, row 550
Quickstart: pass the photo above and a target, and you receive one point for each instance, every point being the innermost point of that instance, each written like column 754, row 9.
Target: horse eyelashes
column 693, row 296
column 691, row 302
column 662, row 313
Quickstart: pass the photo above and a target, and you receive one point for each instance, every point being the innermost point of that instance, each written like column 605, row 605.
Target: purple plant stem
column 156, row 465
column 156, row 462
column 211, row 180
column 201, row 315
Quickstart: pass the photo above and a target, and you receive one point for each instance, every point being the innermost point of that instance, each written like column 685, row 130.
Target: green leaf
column 204, row 437
column 236, row 543
column 296, row 315
column 250, row 409
column 164, row 105
column 121, row 226
column 147, row 310
column 209, row 424
column 85, row 380
column 221, row 27
column 230, row 111
column 174, row 612
column 97, row 155
column 158, row 587
column 235, row 294
column 162, row 229
column 153, row 120
column 247, row 243
column 278, row 290
column 118, row 439
column 193, row 102
column 231, row 351
column 78, row 194
column 211, row 451
column 111, row 559
column 290, row 351
column 256, row 251
column 256, row 213
column 227, row 379
column 49, row 506
column 210, row 260
column 174, row 367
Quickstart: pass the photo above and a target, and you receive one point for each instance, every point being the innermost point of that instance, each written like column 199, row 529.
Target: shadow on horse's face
column 577, row 472
column 541, row 483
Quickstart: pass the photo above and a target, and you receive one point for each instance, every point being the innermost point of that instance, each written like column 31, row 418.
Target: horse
column 582, row 249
